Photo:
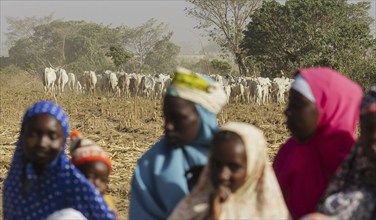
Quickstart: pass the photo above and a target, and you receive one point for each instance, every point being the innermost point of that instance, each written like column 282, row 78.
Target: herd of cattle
column 258, row 90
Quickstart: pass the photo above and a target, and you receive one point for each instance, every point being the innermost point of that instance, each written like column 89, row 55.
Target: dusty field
column 124, row 127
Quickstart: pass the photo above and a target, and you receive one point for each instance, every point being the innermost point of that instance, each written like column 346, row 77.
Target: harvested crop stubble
column 124, row 127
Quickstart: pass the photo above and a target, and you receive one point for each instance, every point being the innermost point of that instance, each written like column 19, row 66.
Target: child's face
column 368, row 133
column 228, row 164
column 42, row 139
column 97, row 173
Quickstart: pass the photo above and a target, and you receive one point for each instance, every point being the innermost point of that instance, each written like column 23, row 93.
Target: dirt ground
column 124, row 127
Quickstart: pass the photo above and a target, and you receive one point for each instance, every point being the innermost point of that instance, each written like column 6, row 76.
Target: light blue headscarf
column 158, row 183
column 27, row 195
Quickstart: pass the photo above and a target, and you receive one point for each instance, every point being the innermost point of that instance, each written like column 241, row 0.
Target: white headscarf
column 66, row 214
column 258, row 198
column 301, row 85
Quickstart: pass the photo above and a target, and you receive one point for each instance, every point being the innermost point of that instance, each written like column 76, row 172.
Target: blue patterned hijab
column 159, row 182
column 27, row 195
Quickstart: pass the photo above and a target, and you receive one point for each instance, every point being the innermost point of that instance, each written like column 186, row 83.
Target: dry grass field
column 124, row 127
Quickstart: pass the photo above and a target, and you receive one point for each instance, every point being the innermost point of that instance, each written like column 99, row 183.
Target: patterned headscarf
column 357, row 170
column 208, row 96
column 353, row 183
column 197, row 88
column 27, row 195
column 258, row 198
column 88, row 151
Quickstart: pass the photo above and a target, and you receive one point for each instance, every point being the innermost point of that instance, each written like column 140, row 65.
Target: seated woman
column 352, row 192
column 41, row 179
column 238, row 182
column 190, row 109
column 322, row 113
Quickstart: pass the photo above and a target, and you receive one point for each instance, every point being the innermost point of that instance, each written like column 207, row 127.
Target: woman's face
column 228, row 162
column 97, row 173
column 42, row 139
column 368, row 133
column 182, row 122
column 302, row 116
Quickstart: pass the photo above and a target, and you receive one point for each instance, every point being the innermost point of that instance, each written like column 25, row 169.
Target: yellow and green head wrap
column 197, row 88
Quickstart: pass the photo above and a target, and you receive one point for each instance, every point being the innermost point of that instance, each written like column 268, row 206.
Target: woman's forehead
column 296, row 96
column 50, row 108
column 224, row 143
column 177, row 104
column 43, row 119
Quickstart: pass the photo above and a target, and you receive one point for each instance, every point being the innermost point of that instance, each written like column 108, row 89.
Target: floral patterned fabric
column 352, row 193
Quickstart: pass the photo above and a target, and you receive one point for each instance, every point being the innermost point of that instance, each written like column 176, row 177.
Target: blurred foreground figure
column 322, row 113
column 41, row 179
column 169, row 169
column 352, row 192
column 94, row 163
column 238, row 182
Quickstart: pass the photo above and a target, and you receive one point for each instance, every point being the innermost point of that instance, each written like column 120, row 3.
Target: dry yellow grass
column 124, row 127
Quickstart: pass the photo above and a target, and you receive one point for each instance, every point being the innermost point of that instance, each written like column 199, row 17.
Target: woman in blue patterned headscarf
column 41, row 179
column 190, row 109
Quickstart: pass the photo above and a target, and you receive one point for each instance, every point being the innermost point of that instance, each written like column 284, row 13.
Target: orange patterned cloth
column 86, row 150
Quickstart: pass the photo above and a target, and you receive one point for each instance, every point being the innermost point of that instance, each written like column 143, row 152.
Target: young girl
column 238, row 182
column 93, row 162
column 41, row 179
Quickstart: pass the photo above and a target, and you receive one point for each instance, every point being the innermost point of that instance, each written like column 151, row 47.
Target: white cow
column 61, row 79
column 79, row 87
column 90, row 81
column 162, row 81
column 237, row 93
column 123, row 83
column 280, row 86
column 49, row 78
column 265, row 84
column 227, row 91
column 146, row 86
column 71, row 81
column 133, row 84
column 113, row 84
column 259, row 94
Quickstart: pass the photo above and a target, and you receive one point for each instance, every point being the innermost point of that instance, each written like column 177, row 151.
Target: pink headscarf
column 304, row 170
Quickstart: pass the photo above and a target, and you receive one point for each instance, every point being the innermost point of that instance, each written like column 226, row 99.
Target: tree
column 221, row 67
column 119, row 56
column 162, row 59
column 23, row 28
column 141, row 40
column 76, row 45
column 304, row 33
column 224, row 21
column 80, row 45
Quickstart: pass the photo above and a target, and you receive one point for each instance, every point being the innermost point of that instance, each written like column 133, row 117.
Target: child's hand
column 216, row 199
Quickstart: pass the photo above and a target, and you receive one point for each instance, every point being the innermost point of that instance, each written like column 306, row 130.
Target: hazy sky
column 130, row 13
column 127, row 12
